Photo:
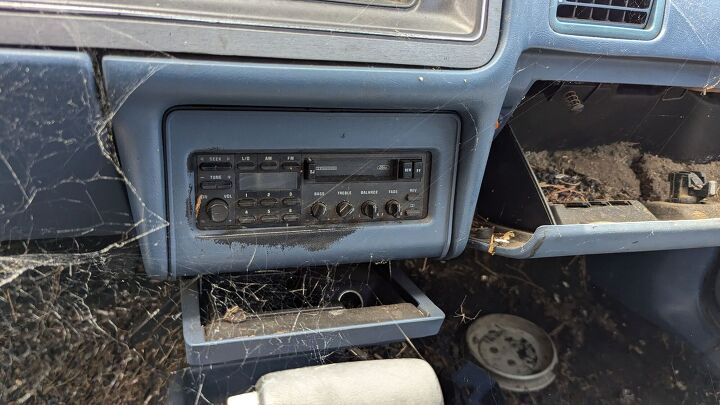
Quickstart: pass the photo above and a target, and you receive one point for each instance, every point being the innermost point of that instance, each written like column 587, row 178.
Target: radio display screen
column 267, row 181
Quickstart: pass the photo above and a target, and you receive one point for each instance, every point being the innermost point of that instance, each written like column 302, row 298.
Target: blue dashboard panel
column 142, row 89
column 55, row 180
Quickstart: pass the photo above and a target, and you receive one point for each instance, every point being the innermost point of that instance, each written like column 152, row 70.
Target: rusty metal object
column 690, row 187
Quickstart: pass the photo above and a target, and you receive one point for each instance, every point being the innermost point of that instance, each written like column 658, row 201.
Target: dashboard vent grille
column 629, row 13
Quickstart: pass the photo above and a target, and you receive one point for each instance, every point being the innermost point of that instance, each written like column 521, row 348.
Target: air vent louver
column 626, row 12
column 629, row 19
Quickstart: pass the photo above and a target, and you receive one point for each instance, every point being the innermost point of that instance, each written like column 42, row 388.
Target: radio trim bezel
column 192, row 129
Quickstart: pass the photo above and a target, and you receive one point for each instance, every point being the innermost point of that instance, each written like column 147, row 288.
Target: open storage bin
column 275, row 313
column 585, row 168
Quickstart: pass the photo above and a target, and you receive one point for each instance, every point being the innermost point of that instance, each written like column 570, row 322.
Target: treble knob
column 344, row 209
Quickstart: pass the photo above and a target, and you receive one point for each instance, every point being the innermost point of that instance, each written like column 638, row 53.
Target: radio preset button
column 246, row 202
column 291, row 201
column 217, row 210
column 269, row 202
column 247, row 219
column 392, row 207
column 269, row 165
column 344, row 209
column 318, row 210
column 245, row 166
column 268, row 219
column 291, row 217
column 292, row 166
column 369, row 209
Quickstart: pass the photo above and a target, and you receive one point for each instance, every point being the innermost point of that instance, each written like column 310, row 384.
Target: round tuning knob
column 344, row 209
column 369, row 209
column 318, row 210
column 217, row 210
column 392, row 207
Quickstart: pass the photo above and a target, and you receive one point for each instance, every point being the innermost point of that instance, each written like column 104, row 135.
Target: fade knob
column 369, row 209
column 217, row 210
column 318, row 210
column 344, row 209
column 392, row 207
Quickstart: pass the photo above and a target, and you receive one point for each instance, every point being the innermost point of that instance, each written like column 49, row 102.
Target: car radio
column 258, row 190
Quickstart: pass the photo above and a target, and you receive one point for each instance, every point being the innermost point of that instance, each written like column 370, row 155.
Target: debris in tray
column 480, row 223
column 499, row 238
column 600, row 173
column 618, row 171
column 654, row 170
column 234, row 315
column 504, row 237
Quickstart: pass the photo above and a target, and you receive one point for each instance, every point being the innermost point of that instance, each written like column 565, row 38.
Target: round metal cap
column 517, row 353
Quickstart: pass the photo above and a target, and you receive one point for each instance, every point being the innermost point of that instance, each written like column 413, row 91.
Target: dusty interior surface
column 306, row 299
column 89, row 333
column 108, row 334
column 600, row 173
column 295, row 321
column 618, row 171
column 607, row 355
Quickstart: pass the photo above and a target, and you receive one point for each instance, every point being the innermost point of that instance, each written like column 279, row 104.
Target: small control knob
column 217, row 210
column 344, row 209
column 369, row 209
column 392, row 207
column 318, row 210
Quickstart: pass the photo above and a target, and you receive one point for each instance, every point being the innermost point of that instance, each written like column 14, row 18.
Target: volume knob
column 217, row 210
column 369, row 209
column 318, row 210
column 344, row 209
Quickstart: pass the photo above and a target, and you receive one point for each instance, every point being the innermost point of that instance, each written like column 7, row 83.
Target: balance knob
column 217, row 210
column 369, row 209
column 344, row 209
column 393, row 208
column 318, row 210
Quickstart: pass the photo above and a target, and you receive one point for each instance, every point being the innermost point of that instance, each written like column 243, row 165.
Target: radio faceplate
column 235, row 190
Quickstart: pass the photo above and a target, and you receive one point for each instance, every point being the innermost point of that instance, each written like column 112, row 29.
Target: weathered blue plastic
column 142, row 89
column 54, row 180
column 608, row 30
column 675, row 289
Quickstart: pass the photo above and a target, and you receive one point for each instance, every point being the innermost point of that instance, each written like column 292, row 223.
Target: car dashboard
column 231, row 139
